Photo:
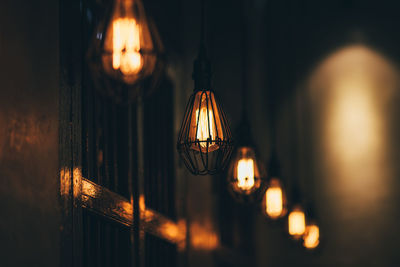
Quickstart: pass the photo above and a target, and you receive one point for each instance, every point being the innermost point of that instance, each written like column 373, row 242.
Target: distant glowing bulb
column 245, row 174
column 311, row 236
column 274, row 202
column 297, row 222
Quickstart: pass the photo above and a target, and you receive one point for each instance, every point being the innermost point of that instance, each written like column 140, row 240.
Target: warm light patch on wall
column 354, row 126
column 350, row 92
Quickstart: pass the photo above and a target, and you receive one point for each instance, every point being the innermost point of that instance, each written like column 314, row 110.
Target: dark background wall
column 29, row 221
column 290, row 44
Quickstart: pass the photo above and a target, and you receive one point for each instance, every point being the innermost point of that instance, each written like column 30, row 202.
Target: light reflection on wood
column 106, row 202
column 65, row 184
column 101, row 200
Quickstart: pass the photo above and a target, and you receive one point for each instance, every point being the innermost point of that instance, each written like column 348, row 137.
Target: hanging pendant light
column 311, row 236
column 204, row 142
column 124, row 50
column 246, row 173
column 296, row 216
column 296, row 222
column 274, row 200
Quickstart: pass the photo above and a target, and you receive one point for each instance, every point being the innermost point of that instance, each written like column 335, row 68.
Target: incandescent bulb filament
column 205, row 119
column 245, row 174
column 205, row 127
column 126, row 46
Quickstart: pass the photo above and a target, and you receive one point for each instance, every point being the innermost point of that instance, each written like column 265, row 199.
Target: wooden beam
column 107, row 203
column 115, row 207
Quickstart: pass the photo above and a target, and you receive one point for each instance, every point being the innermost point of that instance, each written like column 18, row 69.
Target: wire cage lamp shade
column 205, row 140
column 125, row 50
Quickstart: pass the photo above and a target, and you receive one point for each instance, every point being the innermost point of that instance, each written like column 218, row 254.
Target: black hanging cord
column 273, row 103
column 273, row 117
column 297, row 192
column 244, row 62
column 244, row 133
column 202, row 67
column 291, row 70
column 203, row 22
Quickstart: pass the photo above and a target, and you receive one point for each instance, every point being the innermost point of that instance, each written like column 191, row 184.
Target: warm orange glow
column 126, row 46
column 175, row 232
column 182, row 234
column 142, row 203
column 77, row 179
column 296, row 222
column 202, row 238
column 170, row 230
column 92, row 191
column 204, row 129
column 65, row 184
column 245, row 174
column 206, row 123
column 352, row 94
column 311, row 236
column 274, row 200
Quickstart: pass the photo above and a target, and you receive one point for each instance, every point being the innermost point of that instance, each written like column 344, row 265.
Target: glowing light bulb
column 245, row 174
column 206, row 124
column 125, row 43
column 297, row 222
column 311, row 236
column 126, row 46
column 205, row 128
column 274, row 201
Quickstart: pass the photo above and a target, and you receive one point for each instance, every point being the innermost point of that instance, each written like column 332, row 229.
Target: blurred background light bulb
column 126, row 46
column 296, row 222
column 274, row 199
column 311, row 236
column 245, row 173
